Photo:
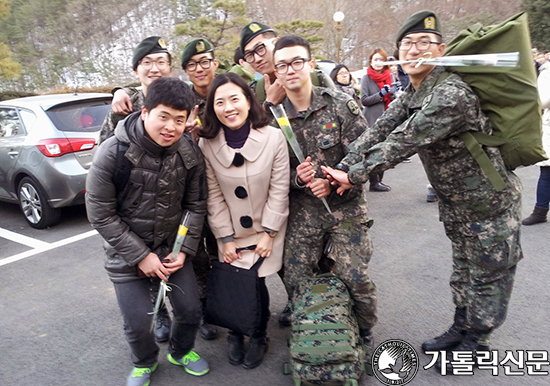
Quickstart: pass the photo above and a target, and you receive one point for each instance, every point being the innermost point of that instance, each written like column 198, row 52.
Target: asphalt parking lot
column 60, row 324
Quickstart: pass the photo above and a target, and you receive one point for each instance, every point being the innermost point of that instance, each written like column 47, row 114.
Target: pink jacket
column 243, row 200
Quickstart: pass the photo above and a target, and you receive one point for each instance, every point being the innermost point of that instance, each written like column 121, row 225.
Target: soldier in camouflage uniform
column 325, row 122
column 257, row 44
column 151, row 60
column 482, row 223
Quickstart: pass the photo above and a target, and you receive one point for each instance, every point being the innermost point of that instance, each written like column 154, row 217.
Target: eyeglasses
column 421, row 45
column 260, row 50
column 161, row 64
column 204, row 63
column 296, row 64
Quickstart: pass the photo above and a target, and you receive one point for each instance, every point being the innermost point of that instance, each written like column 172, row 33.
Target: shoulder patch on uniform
column 353, row 107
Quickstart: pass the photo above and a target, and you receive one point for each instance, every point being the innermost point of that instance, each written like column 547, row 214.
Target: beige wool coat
column 243, row 200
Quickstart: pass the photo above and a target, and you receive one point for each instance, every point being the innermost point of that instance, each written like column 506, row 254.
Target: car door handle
column 13, row 154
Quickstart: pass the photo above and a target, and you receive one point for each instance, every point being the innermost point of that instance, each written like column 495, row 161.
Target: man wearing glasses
column 482, row 223
column 199, row 63
column 151, row 61
column 325, row 122
column 257, row 43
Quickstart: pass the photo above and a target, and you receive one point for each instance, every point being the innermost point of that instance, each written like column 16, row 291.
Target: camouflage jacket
column 324, row 131
column 428, row 121
column 199, row 100
column 112, row 119
column 319, row 78
column 136, row 96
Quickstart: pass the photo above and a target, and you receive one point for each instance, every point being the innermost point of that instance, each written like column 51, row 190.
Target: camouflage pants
column 485, row 255
column 351, row 252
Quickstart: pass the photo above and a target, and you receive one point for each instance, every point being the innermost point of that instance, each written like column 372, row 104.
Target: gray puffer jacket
column 144, row 216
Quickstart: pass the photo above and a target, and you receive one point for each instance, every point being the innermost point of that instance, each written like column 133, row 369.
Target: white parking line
column 47, row 247
column 22, row 239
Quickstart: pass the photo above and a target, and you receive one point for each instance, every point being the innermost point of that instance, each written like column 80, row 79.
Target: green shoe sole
column 177, row 363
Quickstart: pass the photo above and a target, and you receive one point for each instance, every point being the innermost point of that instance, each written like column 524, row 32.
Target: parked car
column 47, row 145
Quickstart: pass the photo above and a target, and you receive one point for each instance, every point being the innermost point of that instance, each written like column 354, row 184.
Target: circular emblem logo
column 395, row 362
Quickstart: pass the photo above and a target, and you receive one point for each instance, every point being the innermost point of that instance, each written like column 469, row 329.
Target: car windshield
column 85, row 116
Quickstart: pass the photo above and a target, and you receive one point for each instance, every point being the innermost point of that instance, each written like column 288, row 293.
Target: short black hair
column 292, row 41
column 238, row 55
column 170, row 92
column 257, row 117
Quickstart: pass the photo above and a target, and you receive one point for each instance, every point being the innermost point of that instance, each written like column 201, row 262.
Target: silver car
column 46, row 148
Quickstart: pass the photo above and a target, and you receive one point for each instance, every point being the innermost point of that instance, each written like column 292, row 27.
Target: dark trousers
column 134, row 300
column 543, row 187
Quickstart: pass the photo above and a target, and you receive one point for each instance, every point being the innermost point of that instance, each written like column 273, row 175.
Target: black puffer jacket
column 144, row 216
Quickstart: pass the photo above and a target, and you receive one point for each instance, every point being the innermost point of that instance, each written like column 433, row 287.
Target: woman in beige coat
column 247, row 169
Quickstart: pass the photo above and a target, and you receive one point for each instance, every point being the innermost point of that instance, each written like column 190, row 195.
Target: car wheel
column 34, row 205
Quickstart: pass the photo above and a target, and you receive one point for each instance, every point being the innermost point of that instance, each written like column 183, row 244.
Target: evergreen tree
column 307, row 29
column 8, row 68
column 539, row 22
column 220, row 24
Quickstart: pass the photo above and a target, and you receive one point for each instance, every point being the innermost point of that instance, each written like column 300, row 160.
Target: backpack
column 325, row 345
column 508, row 95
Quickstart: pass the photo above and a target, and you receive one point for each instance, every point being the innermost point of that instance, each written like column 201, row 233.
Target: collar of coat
column 251, row 150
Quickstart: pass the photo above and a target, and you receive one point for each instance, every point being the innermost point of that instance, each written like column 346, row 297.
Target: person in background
column 376, row 94
column 241, row 67
column 401, row 74
column 540, row 211
column 248, row 174
column 341, row 77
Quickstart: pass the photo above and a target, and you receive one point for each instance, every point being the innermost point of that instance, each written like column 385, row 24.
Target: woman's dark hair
column 212, row 125
column 382, row 53
column 336, row 70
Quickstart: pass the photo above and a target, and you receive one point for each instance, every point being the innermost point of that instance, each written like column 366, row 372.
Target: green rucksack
column 508, row 95
column 325, row 345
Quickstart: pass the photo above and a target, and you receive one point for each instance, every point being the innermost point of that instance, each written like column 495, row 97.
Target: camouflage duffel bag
column 325, row 346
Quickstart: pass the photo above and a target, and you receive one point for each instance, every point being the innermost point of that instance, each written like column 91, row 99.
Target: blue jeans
column 134, row 300
column 543, row 187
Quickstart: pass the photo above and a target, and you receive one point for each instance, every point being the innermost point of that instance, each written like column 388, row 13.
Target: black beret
column 151, row 45
column 423, row 21
column 194, row 47
column 251, row 30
